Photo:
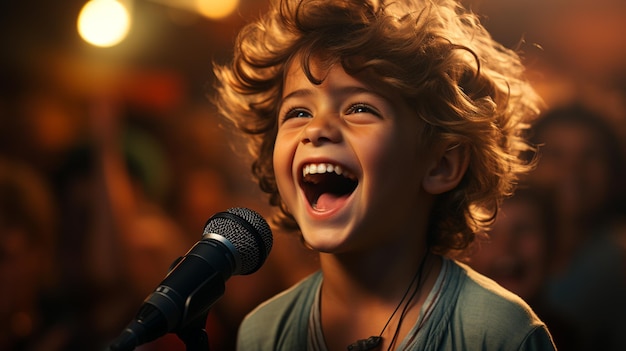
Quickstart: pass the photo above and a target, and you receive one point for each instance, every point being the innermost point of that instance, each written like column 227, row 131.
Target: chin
column 324, row 244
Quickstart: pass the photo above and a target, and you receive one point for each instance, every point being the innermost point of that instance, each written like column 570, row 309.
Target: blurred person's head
column 516, row 250
column 27, row 244
column 580, row 160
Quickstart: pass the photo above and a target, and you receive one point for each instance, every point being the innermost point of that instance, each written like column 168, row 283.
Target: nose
column 321, row 129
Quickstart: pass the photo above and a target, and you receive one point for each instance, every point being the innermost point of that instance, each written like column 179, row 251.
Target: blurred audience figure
column 118, row 243
column 516, row 252
column 30, row 318
column 133, row 239
column 581, row 163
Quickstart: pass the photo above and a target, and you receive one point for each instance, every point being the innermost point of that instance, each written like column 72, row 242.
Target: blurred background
column 112, row 158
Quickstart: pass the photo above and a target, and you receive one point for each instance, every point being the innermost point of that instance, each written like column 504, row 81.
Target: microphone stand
column 194, row 334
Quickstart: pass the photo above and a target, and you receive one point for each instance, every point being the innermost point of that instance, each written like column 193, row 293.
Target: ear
column 446, row 169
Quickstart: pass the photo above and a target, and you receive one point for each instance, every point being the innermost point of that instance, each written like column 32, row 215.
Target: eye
column 296, row 112
column 362, row 108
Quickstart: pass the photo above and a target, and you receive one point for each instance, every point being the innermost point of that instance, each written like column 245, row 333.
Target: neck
column 379, row 274
column 361, row 292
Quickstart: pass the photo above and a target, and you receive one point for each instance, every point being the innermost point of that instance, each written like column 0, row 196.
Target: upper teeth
column 318, row 168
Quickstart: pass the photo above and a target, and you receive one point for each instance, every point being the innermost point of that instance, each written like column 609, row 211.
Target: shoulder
column 281, row 321
column 492, row 316
column 478, row 292
column 288, row 301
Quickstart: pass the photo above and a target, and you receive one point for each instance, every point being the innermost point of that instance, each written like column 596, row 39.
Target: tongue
column 329, row 201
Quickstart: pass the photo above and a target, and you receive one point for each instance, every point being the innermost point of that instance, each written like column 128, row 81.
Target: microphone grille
column 248, row 232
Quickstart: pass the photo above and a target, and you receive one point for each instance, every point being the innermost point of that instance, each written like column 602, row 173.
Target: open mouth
column 326, row 184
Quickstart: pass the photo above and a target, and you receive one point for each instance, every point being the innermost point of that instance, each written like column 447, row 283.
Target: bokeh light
column 103, row 23
column 216, row 9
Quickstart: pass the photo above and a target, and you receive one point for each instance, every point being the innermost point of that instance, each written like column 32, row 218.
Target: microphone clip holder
column 194, row 334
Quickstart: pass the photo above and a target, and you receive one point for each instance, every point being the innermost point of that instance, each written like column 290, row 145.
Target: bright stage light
column 103, row 23
column 216, row 9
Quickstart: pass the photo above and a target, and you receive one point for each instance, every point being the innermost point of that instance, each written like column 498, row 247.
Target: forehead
column 316, row 73
column 313, row 72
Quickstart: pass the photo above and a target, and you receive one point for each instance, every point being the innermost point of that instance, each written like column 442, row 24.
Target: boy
column 386, row 133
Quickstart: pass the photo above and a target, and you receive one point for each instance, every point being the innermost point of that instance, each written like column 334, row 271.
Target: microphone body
column 234, row 242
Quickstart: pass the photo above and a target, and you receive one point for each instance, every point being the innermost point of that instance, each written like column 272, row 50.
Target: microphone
column 234, row 242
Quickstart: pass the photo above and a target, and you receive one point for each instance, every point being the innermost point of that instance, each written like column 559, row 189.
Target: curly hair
column 468, row 89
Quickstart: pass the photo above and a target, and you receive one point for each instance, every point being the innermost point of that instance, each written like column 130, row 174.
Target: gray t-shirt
column 468, row 312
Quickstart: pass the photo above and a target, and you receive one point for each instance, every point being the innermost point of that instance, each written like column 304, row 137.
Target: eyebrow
column 341, row 91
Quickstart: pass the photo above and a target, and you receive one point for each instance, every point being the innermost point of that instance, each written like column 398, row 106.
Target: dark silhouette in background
column 581, row 163
column 31, row 315
column 516, row 254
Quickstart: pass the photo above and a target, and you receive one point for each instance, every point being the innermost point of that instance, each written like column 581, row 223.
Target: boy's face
column 347, row 163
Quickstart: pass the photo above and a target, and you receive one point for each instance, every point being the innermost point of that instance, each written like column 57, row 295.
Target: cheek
column 386, row 151
column 377, row 160
column 280, row 165
column 282, row 160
